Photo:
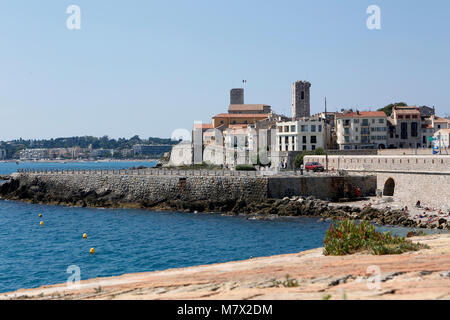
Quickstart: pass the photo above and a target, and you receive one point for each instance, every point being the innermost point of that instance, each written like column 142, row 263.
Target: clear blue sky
column 150, row 67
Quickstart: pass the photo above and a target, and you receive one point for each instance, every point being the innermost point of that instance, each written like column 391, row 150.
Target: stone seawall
column 258, row 197
column 408, row 178
column 110, row 190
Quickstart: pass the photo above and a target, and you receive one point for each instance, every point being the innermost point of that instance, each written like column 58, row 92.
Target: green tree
column 388, row 108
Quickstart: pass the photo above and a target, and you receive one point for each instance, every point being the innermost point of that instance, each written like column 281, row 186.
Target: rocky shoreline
column 267, row 209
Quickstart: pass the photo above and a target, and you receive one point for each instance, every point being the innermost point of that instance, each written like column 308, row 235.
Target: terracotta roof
column 363, row 114
column 407, row 110
column 203, row 126
column 445, row 130
column 247, row 107
column 439, row 119
column 243, row 115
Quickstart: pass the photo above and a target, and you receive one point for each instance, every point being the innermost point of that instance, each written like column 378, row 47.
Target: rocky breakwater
column 311, row 207
column 195, row 193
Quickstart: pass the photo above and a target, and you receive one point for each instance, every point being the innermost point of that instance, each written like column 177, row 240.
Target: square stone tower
column 301, row 106
column 237, row 96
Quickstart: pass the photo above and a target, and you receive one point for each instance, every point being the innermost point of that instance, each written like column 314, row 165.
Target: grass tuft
column 348, row 237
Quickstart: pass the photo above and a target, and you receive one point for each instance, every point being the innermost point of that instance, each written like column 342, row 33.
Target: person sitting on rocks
column 418, row 204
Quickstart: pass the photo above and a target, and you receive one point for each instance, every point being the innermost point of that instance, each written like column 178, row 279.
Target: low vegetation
column 200, row 166
column 288, row 283
column 348, row 237
column 299, row 159
column 245, row 167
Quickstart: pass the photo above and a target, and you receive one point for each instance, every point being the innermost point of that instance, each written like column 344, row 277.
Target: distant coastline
column 75, row 161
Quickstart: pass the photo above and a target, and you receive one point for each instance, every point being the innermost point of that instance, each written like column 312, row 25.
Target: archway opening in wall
column 389, row 187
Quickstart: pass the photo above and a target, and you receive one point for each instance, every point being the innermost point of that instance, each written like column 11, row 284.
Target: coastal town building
column 306, row 134
column 405, row 128
column 237, row 96
column 34, row 154
column 102, row 153
column 361, row 130
column 2, row 154
column 301, row 103
column 227, row 119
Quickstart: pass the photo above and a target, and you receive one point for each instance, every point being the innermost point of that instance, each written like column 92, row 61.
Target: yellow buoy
column 92, row 251
column 42, row 223
column 40, row 215
column 84, row 236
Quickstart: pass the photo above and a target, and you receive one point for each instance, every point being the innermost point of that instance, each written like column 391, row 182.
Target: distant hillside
column 83, row 142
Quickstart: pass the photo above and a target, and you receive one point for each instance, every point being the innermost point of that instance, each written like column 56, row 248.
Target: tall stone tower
column 237, row 96
column 301, row 106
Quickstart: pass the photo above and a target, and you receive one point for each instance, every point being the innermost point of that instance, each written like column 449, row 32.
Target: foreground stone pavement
column 415, row 275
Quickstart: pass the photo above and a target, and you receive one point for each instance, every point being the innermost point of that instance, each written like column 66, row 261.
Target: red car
column 314, row 166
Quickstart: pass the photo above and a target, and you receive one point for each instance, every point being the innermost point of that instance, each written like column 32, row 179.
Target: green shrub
column 299, row 159
column 347, row 237
column 245, row 167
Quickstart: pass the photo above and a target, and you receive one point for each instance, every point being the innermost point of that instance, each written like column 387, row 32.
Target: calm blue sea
column 128, row 241
column 10, row 167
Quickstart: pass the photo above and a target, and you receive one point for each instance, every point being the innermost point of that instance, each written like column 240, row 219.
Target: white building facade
column 361, row 130
column 306, row 134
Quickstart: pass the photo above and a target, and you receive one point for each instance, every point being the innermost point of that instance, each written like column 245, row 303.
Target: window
column 293, row 128
column 355, row 120
column 303, row 95
column 404, row 130
column 286, row 128
column 320, row 128
column 373, row 120
column 381, row 121
column 304, row 139
column 313, row 128
column 365, row 122
column 313, row 139
column 280, row 129
column 304, row 148
column 364, row 130
column 313, row 147
column 346, row 123
column 304, row 128
column 347, row 139
column 346, row 130
column 414, row 132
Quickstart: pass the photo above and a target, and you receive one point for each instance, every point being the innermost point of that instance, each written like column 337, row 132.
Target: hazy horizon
column 148, row 68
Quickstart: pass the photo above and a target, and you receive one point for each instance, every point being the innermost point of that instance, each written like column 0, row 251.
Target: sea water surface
column 128, row 241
